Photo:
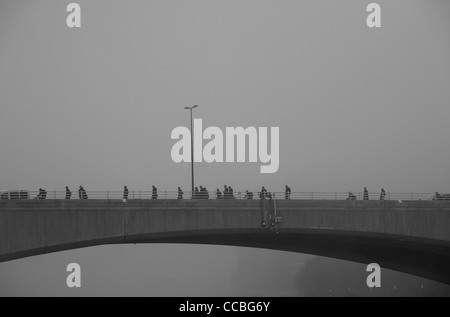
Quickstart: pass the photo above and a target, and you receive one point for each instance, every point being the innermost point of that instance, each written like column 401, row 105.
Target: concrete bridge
column 408, row 236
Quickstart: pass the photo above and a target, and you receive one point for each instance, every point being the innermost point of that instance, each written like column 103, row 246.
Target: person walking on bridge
column 84, row 193
column 42, row 194
column 154, row 192
column 68, row 193
column 351, row 196
column 287, row 193
column 180, row 193
column 125, row 192
column 202, row 192
column 383, row 194
column 195, row 193
column 225, row 192
column 366, row 194
column 263, row 193
column 230, row 193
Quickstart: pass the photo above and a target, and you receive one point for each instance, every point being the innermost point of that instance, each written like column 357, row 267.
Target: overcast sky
column 96, row 106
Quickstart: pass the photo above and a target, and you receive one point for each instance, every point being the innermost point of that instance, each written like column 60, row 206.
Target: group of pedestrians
column 227, row 193
column 154, row 192
column 352, row 196
column 264, row 194
column 81, row 193
column 201, row 193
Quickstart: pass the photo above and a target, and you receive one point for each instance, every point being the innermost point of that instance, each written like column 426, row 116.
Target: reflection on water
column 201, row 270
column 273, row 273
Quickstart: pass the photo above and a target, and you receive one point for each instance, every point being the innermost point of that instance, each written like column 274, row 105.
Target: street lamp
column 192, row 149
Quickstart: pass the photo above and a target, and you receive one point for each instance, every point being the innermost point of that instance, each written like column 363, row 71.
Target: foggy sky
column 96, row 106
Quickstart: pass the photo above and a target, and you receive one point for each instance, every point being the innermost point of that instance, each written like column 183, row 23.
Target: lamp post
column 192, row 149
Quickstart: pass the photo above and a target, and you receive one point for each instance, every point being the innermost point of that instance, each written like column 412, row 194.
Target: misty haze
column 95, row 106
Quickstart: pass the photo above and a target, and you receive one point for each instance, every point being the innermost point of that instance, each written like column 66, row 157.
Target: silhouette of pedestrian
column 262, row 193
column 287, row 192
column 84, row 193
column 218, row 194
column 225, row 192
column 383, row 194
column 180, row 193
column 68, row 193
column 196, row 193
column 248, row 195
column 39, row 194
column 351, row 196
column 202, row 192
column 366, row 194
column 230, row 192
column 42, row 194
column 154, row 192
column 125, row 192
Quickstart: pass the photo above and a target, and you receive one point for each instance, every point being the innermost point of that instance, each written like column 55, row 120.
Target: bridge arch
column 410, row 237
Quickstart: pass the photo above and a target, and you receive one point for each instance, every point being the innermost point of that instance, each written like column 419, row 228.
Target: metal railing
column 164, row 194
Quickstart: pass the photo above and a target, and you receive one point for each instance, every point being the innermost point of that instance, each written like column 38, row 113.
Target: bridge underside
column 420, row 257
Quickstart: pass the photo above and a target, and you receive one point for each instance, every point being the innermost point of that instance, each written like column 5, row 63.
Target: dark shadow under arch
column 421, row 257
